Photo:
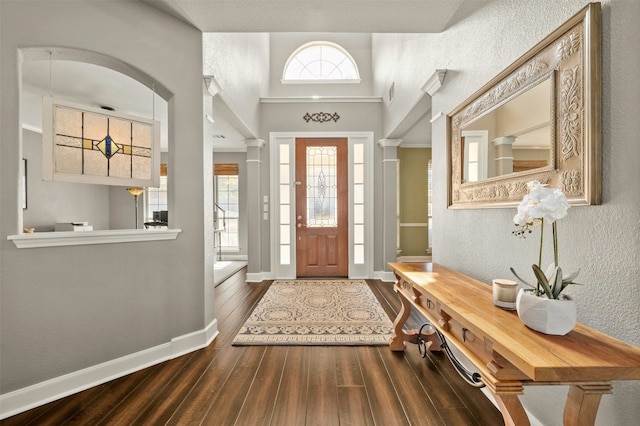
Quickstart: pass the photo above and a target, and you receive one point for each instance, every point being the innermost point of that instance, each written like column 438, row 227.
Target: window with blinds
column 227, row 204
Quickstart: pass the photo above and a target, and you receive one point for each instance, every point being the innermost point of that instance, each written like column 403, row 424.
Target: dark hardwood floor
column 278, row 385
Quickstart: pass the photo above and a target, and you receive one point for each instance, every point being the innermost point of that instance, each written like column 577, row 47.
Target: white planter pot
column 547, row 316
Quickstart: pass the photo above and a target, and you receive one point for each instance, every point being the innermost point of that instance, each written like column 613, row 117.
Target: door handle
column 300, row 225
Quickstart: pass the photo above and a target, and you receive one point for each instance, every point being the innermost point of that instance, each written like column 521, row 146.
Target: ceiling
column 355, row 16
column 97, row 86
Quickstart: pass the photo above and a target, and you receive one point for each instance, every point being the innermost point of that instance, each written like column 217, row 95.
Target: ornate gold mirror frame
column 571, row 58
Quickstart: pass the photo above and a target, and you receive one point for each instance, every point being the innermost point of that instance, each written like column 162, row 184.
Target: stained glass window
column 322, row 190
column 88, row 145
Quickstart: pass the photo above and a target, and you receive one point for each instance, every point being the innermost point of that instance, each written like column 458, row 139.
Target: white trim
column 409, row 145
column 219, row 149
column 199, row 339
column 288, row 271
column 229, row 256
column 24, row 399
column 57, row 239
column 321, row 43
column 256, row 143
column 389, row 143
column 435, row 117
column 386, row 276
column 321, row 99
column 31, row 128
column 258, row 277
column 48, row 147
column 421, row 259
column 504, row 140
column 481, row 137
column 212, row 85
column 361, row 270
column 434, row 82
column 322, row 81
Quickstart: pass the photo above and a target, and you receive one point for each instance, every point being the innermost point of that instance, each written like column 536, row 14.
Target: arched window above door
column 320, row 62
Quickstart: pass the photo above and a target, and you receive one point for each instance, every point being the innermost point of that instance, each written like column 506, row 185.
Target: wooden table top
column 584, row 354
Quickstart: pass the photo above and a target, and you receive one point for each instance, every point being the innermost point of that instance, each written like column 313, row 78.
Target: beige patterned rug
column 317, row 312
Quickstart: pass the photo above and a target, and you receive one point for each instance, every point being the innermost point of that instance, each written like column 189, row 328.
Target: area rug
column 317, row 312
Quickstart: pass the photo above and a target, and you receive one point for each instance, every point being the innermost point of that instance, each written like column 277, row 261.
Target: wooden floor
column 278, row 385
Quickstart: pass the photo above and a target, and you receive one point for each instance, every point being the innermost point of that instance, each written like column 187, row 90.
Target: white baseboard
column 230, row 256
column 386, row 276
column 414, row 259
column 257, row 277
column 42, row 393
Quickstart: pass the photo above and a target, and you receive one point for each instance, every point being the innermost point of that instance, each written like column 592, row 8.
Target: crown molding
column 258, row 143
column 320, row 99
column 384, row 143
column 434, row 82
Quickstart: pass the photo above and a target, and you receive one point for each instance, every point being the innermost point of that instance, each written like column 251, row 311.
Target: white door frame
column 481, row 137
column 283, row 228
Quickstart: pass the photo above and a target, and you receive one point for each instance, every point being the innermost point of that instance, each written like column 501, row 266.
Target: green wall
column 413, row 200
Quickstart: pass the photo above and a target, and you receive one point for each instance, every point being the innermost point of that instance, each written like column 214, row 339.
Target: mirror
column 514, row 137
column 538, row 119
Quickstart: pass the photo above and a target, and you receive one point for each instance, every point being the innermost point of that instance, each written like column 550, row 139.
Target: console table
column 507, row 354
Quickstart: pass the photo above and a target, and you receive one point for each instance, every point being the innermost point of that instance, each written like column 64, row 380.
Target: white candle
column 505, row 293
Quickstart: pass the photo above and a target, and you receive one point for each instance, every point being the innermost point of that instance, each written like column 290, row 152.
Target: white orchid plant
column 542, row 205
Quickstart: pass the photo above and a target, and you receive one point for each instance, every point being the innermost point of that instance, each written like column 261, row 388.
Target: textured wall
column 601, row 240
column 238, row 62
column 604, row 241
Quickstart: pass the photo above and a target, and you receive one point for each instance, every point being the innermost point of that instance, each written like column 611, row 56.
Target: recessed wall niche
column 63, row 75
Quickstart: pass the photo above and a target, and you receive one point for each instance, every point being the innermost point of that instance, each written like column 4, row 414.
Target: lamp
column 136, row 191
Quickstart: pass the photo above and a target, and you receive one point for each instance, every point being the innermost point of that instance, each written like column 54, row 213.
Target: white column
column 389, row 201
column 503, row 155
column 254, row 205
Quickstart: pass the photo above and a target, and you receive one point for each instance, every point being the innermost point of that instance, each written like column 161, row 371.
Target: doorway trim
column 282, row 202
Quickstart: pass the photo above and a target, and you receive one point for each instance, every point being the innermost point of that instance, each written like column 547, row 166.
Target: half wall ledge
column 71, row 238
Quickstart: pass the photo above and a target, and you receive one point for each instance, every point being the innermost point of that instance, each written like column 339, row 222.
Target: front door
column 322, row 207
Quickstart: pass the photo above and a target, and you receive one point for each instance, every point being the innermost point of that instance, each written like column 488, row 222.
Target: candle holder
column 505, row 293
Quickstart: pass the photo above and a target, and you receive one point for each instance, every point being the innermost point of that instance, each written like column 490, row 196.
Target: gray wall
column 63, row 309
column 604, row 241
column 49, row 203
column 287, row 117
column 283, row 45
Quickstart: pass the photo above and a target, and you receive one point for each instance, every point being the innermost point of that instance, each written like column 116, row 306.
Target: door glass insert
column 322, row 191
